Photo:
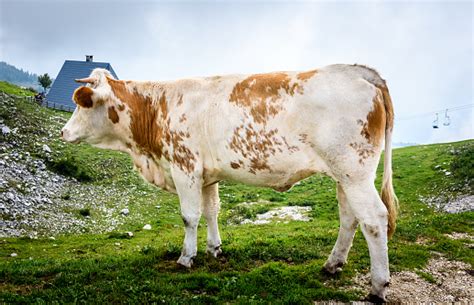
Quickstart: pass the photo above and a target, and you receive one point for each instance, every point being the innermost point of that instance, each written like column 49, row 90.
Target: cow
column 271, row 130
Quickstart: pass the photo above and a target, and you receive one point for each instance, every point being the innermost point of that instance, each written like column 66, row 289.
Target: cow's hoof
column 375, row 299
column 332, row 269
column 214, row 250
column 185, row 261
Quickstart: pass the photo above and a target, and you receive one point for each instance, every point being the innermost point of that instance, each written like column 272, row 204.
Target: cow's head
column 96, row 119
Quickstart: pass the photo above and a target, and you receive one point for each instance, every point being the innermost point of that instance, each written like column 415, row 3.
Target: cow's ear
column 83, row 97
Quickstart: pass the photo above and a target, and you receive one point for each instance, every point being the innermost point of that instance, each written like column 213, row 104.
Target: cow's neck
column 147, row 110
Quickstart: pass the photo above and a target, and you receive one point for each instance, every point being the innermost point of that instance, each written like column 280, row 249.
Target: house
column 60, row 94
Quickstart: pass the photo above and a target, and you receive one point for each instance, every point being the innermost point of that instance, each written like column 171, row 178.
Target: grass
column 273, row 263
column 12, row 89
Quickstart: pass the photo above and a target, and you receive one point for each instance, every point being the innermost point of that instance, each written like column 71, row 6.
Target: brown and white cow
column 268, row 130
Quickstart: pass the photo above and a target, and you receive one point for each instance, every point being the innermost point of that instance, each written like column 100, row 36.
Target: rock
column 46, row 148
column 6, row 130
column 130, row 234
column 13, row 254
column 147, row 227
column 125, row 212
column 286, row 213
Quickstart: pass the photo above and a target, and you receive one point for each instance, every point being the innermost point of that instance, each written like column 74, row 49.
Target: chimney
column 89, row 58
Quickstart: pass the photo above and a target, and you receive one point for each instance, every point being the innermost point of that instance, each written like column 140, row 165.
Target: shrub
column 85, row 212
column 67, row 166
column 462, row 165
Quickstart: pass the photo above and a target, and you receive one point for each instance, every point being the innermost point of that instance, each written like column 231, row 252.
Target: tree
column 45, row 81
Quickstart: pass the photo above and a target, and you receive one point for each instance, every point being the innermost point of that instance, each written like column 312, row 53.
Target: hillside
column 12, row 74
column 66, row 210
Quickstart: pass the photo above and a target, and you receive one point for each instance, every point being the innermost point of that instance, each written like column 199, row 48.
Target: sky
column 423, row 49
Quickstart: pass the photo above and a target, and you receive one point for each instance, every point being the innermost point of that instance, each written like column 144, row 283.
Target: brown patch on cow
column 364, row 150
column 372, row 230
column 291, row 148
column 262, row 94
column 387, row 100
column 113, row 115
column 182, row 155
column 303, row 138
column 83, row 97
column 354, row 225
column 147, row 132
column 121, row 107
column 234, row 165
column 374, row 130
column 150, row 126
column 180, row 100
column 304, row 76
column 182, row 118
column 255, row 145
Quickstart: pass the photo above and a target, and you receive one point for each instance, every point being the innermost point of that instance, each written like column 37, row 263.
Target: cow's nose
column 64, row 133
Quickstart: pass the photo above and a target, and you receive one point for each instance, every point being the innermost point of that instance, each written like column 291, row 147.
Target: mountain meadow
column 78, row 225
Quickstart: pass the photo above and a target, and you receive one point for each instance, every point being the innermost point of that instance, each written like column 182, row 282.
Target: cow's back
column 277, row 128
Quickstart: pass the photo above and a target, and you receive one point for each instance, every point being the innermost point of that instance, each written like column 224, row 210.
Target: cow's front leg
column 190, row 196
column 211, row 206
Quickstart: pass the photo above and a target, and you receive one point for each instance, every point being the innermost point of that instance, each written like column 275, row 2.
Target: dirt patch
column 281, row 214
column 456, row 236
column 441, row 281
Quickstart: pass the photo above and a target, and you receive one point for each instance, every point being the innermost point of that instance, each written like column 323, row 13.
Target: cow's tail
column 388, row 194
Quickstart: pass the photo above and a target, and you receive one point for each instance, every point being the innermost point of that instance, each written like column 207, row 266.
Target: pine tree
column 45, row 81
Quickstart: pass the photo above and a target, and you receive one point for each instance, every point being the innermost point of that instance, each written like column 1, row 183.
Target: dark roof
column 64, row 85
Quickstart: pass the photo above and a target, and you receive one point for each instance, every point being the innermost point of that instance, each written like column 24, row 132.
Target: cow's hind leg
column 211, row 206
column 347, row 227
column 372, row 215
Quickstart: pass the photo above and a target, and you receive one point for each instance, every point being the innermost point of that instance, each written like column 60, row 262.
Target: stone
column 147, row 227
column 6, row 130
column 46, row 148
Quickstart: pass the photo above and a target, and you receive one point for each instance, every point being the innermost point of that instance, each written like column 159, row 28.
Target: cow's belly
column 279, row 172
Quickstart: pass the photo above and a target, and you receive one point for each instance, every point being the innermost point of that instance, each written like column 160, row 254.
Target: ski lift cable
column 452, row 109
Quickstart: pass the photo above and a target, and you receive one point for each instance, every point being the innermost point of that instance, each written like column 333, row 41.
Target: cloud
column 423, row 49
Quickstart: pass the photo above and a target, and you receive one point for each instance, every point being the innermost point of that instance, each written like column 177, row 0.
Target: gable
column 64, row 85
